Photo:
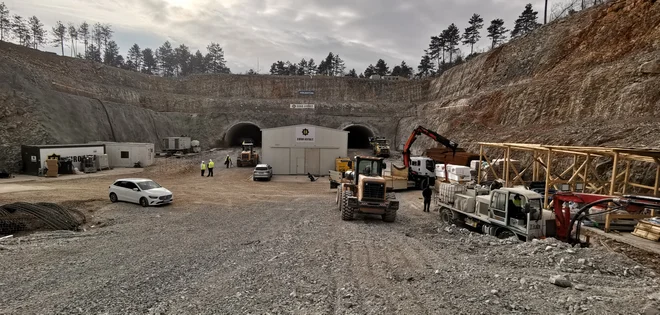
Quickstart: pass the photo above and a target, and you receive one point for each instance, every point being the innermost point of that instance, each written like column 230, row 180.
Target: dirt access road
column 229, row 245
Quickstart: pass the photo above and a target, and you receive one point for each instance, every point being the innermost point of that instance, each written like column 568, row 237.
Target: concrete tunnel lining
column 236, row 133
column 358, row 136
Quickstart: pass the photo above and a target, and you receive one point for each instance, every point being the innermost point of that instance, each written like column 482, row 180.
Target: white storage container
column 465, row 203
column 440, row 171
column 474, row 165
column 460, row 178
column 458, row 170
column 447, row 192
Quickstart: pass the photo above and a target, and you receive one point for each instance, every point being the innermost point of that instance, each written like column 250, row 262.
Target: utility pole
column 545, row 13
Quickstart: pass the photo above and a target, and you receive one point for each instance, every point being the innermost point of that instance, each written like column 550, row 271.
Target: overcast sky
column 360, row 31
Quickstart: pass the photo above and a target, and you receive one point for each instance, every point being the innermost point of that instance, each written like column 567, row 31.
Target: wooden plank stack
column 648, row 230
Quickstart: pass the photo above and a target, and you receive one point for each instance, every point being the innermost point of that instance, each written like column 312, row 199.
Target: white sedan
column 144, row 191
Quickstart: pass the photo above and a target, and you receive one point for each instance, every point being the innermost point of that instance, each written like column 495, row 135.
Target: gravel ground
column 229, row 245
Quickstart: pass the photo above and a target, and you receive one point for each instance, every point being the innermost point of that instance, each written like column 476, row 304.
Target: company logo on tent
column 305, row 134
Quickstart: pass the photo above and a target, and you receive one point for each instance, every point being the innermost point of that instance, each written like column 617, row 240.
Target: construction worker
column 227, row 160
column 426, row 193
column 517, row 202
column 203, row 166
column 211, row 164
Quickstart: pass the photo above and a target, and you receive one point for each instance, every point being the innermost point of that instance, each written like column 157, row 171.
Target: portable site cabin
column 34, row 156
column 302, row 149
column 176, row 144
column 126, row 154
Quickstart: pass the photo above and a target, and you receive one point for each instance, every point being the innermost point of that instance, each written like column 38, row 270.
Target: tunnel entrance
column 358, row 137
column 238, row 132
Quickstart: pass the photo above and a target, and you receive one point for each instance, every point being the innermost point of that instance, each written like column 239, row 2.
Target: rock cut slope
column 590, row 79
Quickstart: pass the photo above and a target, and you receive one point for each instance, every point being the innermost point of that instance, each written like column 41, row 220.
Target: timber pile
column 648, row 229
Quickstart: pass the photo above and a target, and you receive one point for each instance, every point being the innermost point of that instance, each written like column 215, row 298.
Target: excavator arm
column 431, row 134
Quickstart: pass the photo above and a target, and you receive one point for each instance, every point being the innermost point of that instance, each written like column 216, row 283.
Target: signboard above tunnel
column 302, row 106
column 306, row 92
column 305, row 134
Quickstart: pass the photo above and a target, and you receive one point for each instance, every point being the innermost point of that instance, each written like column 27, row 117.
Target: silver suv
column 262, row 171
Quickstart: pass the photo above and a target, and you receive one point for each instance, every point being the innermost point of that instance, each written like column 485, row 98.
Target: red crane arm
column 433, row 135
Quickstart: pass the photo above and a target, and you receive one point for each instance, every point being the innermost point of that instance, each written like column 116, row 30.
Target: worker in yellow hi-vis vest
column 211, row 165
column 203, row 168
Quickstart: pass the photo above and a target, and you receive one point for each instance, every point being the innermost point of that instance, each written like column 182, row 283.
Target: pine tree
column 406, row 71
column 273, row 68
column 135, row 57
column 97, row 35
column 20, row 30
column 215, row 59
column 111, row 53
column 426, row 66
column 497, row 32
column 182, row 55
column 251, row 72
column 352, row 73
column 471, row 35
column 371, row 70
column 93, row 53
column 5, row 25
column 119, row 61
column 452, row 38
column 166, row 60
column 83, row 33
column 526, row 22
column 361, row 76
column 149, row 62
column 312, row 67
column 37, row 32
column 60, row 35
column 197, row 63
column 106, row 34
column 302, row 67
column 437, row 47
column 327, row 66
column 381, row 68
column 338, row 66
column 73, row 35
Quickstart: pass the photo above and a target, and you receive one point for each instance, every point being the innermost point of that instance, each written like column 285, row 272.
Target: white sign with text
column 302, row 106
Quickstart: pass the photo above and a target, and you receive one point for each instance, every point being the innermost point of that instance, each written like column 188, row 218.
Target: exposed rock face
column 49, row 99
column 575, row 82
column 651, row 67
column 590, row 79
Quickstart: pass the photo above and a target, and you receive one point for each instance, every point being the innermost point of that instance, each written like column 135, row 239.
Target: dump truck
column 247, row 157
column 380, row 146
column 362, row 190
column 501, row 212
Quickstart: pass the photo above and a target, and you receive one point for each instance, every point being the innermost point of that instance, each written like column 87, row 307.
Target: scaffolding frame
column 582, row 171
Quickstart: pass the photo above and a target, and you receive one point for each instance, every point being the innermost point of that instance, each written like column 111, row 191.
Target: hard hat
column 210, row 160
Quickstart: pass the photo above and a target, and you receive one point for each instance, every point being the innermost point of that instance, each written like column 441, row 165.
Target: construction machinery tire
column 238, row 163
column 503, row 233
column 390, row 215
column 346, row 210
column 447, row 215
